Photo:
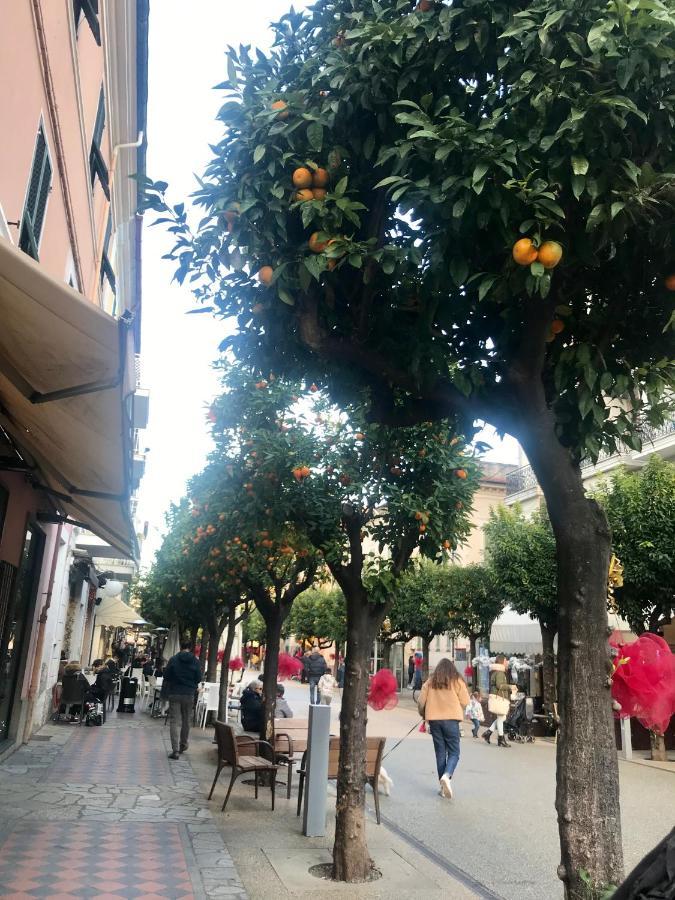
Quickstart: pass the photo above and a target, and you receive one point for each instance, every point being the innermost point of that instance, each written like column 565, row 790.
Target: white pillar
column 626, row 741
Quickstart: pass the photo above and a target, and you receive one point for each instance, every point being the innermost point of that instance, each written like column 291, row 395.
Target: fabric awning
column 113, row 611
column 66, row 379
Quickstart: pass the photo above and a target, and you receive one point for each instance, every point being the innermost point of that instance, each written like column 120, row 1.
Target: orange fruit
column 524, row 252
column 319, row 193
column 313, row 388
column 423, row 528
column 315, row 245
column 425, row 6
column 360, row 436
column 302, row 178
column 557, row 325
column 265, row 275
column 550, row 254
column 460, row 473
column 320, row 178
column 282, row 106
column 304, row 195
column 670, row 282
column 447, row 545
column 418, row 516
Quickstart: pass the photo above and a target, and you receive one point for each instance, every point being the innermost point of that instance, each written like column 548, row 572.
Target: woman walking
column 498, row 701
column 442, row 703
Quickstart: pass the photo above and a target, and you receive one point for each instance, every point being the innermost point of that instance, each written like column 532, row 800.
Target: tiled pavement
column 102, row 813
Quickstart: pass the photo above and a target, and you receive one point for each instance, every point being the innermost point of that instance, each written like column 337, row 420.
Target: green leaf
column 616, row 209
column 459, row 271
column 485, row 286
column 341, row 187
column 578, row 185
column 597, row 215
column 259, row 152
column 285, row 296
column 315, row 135
column 388, row 265
column 355, row 260
column 606, row 381
column 479, row 172
column 537, row 269
column 580, row 165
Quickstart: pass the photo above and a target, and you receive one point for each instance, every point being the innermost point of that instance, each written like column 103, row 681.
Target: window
column 438, row 643
column 88, row 8
column 39, row 185
column 97, row 166
column 107, row 272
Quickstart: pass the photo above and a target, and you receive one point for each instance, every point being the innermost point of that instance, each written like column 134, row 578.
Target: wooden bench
column 290, row 742
column 374, row 751
column 236, row 752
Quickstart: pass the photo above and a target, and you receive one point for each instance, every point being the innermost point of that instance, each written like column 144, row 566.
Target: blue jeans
column 313, row 692
column 476, row 726
column 445, row 734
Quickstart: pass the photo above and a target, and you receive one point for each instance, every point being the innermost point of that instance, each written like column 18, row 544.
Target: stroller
column 92, row 710
column 519, row 722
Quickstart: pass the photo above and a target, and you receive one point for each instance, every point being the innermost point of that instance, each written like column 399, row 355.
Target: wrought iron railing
column 524, row 479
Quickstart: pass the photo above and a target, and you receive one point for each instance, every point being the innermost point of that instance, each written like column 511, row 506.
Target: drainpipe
column 39, row 645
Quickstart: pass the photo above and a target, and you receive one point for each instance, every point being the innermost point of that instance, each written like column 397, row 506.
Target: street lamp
column 136, row 627
column 162, row 634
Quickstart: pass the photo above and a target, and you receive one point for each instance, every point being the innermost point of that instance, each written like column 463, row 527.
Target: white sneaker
column 446, row 786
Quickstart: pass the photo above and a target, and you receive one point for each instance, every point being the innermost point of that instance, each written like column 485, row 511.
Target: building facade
column 73, row 97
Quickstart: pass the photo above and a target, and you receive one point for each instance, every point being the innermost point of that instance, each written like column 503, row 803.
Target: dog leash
column 416, row 725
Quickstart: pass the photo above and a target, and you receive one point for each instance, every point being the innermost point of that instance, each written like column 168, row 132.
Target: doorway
column 15, row 625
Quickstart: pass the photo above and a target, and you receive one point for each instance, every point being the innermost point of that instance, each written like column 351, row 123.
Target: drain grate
column 41, row 737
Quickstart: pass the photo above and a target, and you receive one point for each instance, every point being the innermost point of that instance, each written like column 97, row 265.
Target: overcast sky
column 186, row 59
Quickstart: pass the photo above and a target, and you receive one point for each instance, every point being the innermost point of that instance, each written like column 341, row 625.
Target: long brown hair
column 444, row 675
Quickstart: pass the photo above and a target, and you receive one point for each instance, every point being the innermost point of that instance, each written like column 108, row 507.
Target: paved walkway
column 102, row 812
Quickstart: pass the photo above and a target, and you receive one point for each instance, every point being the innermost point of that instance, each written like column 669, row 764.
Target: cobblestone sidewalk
column 101, row 812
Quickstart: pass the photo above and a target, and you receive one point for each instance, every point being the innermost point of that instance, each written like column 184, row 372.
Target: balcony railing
column 524, row 479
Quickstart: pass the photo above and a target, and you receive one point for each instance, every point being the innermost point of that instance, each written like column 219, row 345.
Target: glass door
column 15, row 625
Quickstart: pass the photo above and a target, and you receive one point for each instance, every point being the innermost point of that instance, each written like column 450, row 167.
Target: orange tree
column 461, row 147
column 298, row 483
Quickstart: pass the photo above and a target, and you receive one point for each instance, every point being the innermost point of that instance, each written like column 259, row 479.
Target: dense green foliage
column 320, row 614
column 640, row 507
column 521, row 553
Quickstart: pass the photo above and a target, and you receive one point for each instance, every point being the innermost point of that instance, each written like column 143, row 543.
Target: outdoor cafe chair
column 229, row 754
column 374, row 751
column 72, row 694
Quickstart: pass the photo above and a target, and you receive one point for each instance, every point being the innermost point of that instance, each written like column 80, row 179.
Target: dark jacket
column 251, row 710
column 148, row 668
column 182, row 674
column 315, row 665
column 104, row 682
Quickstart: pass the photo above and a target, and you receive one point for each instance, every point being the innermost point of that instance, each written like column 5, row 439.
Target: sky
column 186, row 59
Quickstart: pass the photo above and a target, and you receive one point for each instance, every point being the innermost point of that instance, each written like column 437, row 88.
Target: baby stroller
column 92, row 712
column 518, row 723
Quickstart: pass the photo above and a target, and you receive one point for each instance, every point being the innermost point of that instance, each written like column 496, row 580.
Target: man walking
column 315, row 666
column 181, row 679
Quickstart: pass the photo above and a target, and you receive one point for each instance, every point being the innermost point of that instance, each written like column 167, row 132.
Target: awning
column 113, row 611
column 66, row 376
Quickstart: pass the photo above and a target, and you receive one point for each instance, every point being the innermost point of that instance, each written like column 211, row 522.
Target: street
column 500, row 829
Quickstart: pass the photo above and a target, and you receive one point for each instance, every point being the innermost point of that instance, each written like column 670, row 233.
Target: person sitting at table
column 148, row 668
column 103, row 685
column 282, row 709
column 112, row 666
column 251, row 707
column 73, row 675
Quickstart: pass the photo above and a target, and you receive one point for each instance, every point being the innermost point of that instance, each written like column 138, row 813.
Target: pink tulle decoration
column 418, row 662
column 288, row 666
column 423, row 727
column 468, row 671
column 383, row 690
column 235, row 664
column 643, row 682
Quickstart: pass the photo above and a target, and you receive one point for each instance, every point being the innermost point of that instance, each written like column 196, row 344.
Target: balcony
column 660, row 439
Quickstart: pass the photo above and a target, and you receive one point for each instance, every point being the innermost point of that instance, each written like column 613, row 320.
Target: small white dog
column 384, row 784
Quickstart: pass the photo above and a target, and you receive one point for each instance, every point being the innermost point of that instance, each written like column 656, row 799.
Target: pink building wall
column 75, row 64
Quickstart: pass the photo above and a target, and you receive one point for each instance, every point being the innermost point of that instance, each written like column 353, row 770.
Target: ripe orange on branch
column 320, row 178
column 315, row 245
column 524, row 252
column 282, row 106
column 265, row 275
column 319, row 193
column 557, row 325
column 302, row 178
column 304, row 195
column 460, row 473
column 670, row 282
column 550, row 253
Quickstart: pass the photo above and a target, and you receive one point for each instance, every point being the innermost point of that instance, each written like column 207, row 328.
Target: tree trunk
column 224, row 667
column 587, row 794
column 212, row 658
column 426, row 645
column 351, row 859
column 548, row 634
column 273, row 624
column 202, row 650
column 386, row 655
column 658, row 746
column 336, row 663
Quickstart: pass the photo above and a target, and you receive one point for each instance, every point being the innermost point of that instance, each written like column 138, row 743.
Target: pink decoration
column 288, row 666
column 468, row 671
column 643, row 682
column 418, row 662
column 383, row 690
column 235, row 664
column 423, row 727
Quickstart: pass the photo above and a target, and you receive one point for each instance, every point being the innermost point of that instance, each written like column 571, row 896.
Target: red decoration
column 383, row 690
column 468, row 671
column 235, row 664
column 423, row 727
column 288, row 666
column 643, row 681
column 418, row 662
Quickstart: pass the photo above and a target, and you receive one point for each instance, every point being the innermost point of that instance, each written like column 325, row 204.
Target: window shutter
column 36, row 199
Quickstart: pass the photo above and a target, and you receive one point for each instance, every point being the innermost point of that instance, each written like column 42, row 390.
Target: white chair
column 150, row 693
column 208, row 702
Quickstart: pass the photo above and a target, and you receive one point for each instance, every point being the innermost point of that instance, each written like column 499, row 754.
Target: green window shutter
column 39, row 186
column 90, row 10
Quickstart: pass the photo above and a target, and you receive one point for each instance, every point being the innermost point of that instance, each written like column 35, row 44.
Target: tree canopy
column 640, row 507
